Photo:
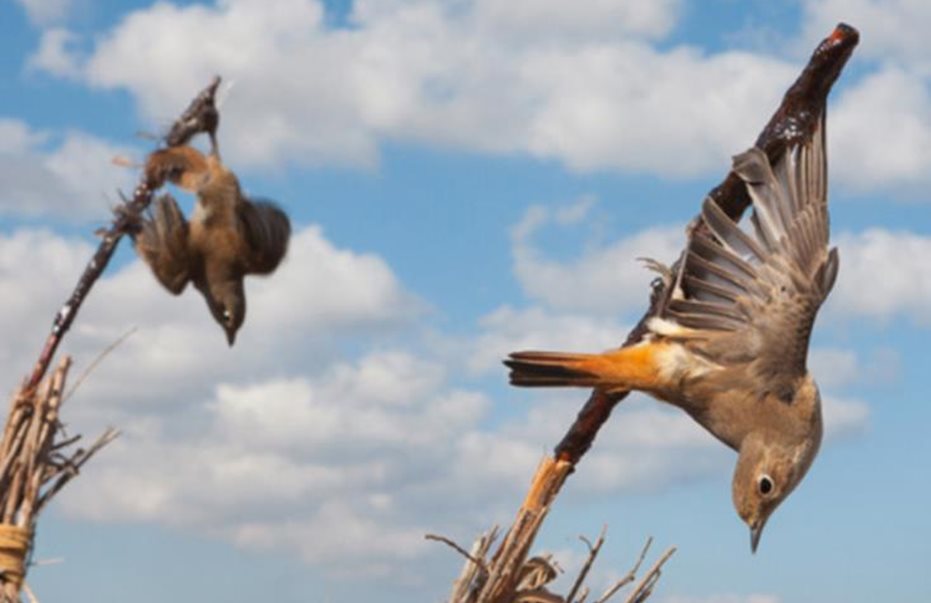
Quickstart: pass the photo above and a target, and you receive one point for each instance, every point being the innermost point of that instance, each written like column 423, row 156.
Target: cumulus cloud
column 602, row 19
column 33, row 264
column 844, row 417
column 879, row 130
column 590, row 88
column 44, row 12
column 586, row 87
column 883, row 275
column 607, row 278
column 839, row 368
column 508, row 329
column 895, row 28
column 880, row 133
column 318, row 297
column 56, row 54
column 264, row 446
column 66, row 178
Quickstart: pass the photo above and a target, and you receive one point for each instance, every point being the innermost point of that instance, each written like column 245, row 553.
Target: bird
column 728, row 342
column 228, row 236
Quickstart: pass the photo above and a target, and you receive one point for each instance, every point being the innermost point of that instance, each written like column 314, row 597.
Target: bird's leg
column 127, row 220
column 214, row 146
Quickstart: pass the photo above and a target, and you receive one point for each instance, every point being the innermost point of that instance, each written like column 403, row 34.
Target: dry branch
column 794, row 121
column 36, row 455
column 33, row 469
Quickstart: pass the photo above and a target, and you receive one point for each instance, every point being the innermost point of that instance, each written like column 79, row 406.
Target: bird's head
column 227, row 303
column 772, row 463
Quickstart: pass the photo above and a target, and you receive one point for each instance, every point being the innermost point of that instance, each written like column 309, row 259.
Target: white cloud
column 320, row 297
column 834, row 367
column 893, row 30
column 600, row 19
column 880, row 133
column 33, row 266
column 44, row 12
column 843, row 417
column 56, row 54
column 839, row 368
column 68, row 181
column 582, row 86
column 274, row 461
column 879, row 128
column 223, row 439
column 587, row 87
column 282, row 437
column 509, row 329
column 883, row 274
column 607, row 278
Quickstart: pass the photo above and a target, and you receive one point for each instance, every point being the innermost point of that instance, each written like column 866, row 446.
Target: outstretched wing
column 163, row 244
column 267, row 231
column 761, row 291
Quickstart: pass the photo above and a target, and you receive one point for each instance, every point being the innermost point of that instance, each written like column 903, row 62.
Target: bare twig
column 477, row 561
column 593, row 550
column 29, row 594
column 96, row 362
column 629, row 577
column 645, row 588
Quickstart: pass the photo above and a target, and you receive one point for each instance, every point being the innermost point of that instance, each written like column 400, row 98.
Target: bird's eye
column 765, row 484
column 226, row 315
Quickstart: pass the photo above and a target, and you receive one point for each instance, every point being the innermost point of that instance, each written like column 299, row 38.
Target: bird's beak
column 755, row 532
column 230, row 336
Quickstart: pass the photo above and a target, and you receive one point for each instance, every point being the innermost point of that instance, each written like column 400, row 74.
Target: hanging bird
column 729, row 342
column 227, row 237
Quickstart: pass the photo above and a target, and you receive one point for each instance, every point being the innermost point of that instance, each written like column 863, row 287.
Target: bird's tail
column 633, row 367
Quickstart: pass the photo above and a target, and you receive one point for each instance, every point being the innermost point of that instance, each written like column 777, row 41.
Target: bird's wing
column 763, row 290
column 163, row 244
column 267, row 231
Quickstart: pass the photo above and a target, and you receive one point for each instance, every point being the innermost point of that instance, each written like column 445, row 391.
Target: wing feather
column 267, row 231
column 760, row 290
column 163, row 244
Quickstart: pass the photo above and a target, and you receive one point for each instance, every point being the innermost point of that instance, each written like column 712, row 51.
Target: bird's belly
column 215, row 237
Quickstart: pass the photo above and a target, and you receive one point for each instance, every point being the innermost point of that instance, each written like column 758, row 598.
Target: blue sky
column 466, row 178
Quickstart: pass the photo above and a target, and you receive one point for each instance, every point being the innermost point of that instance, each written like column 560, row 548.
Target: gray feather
column 755, row 295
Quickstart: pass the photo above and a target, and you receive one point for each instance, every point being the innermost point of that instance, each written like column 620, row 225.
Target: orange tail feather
column 624, row 369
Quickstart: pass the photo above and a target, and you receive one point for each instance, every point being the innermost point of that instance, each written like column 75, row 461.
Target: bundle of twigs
column 37, row 457
column 497, row 579
column 533, row 576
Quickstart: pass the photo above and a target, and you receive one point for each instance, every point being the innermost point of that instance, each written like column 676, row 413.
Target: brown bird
column 228, row 236
column 729, row 342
